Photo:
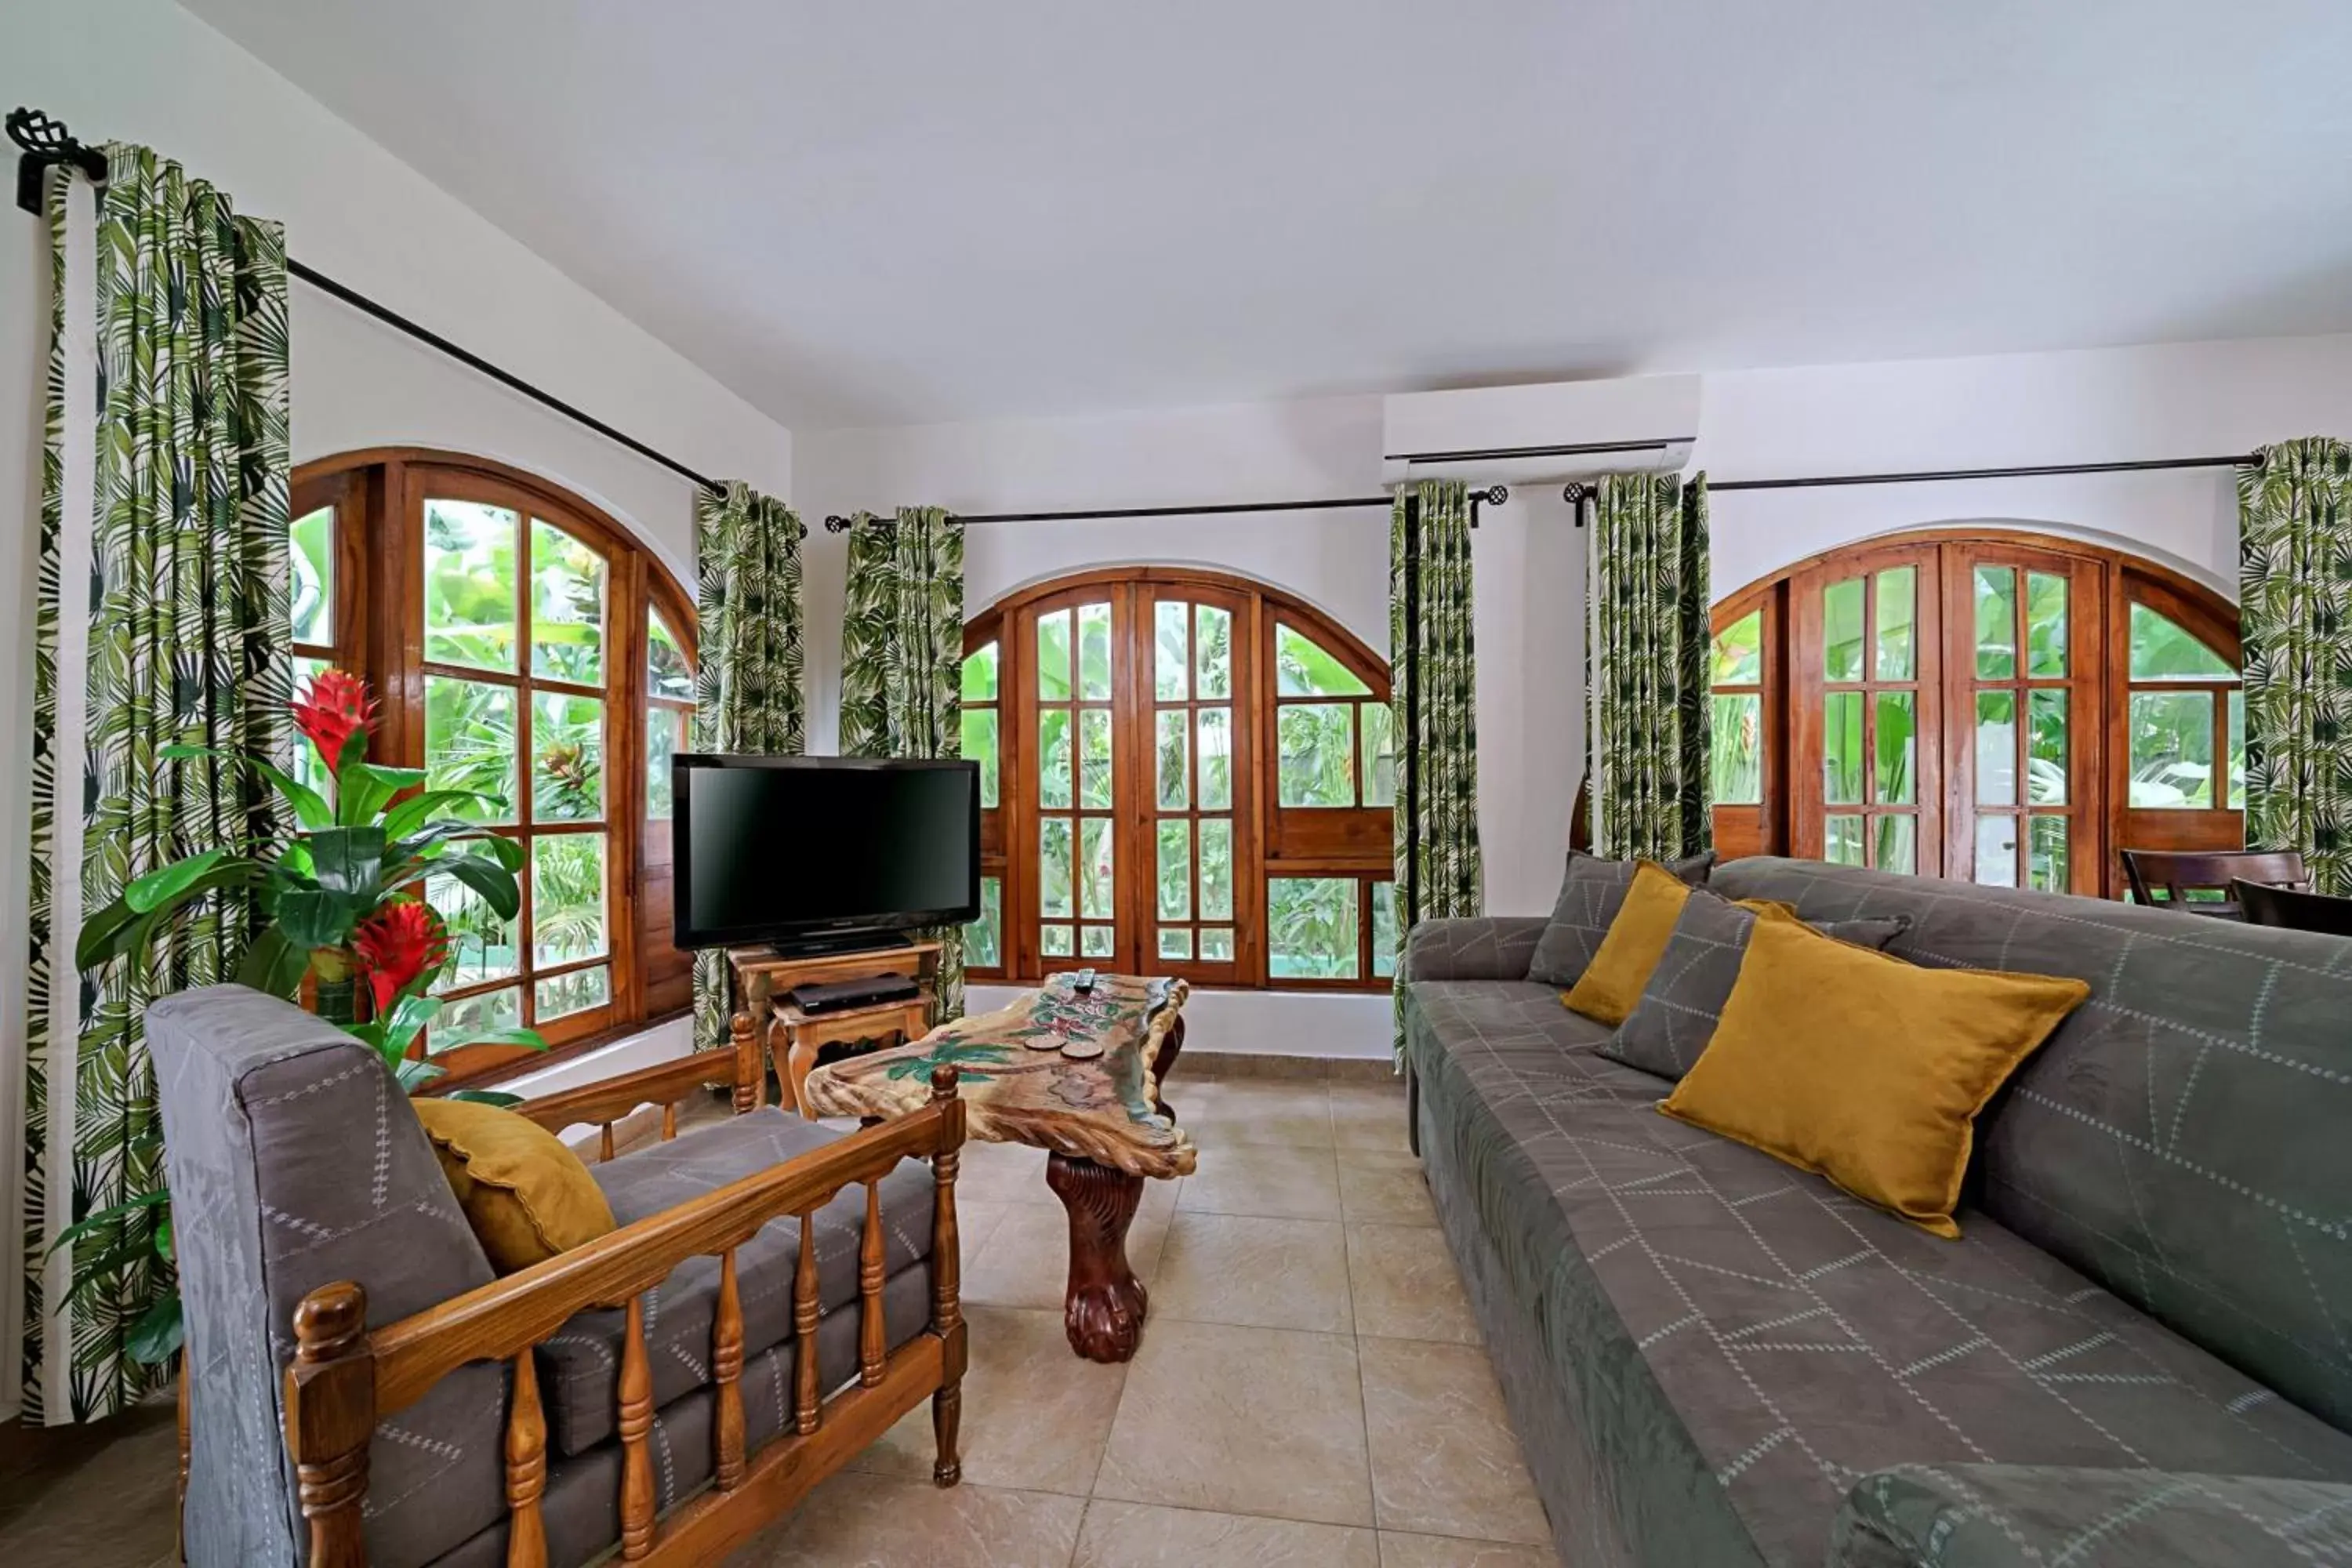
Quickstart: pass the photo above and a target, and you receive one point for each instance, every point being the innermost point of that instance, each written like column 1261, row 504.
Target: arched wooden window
column 1181, row 772
column 1997, row 706
column 523, row 644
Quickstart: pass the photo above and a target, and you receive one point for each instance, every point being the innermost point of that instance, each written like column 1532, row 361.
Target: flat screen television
column 817, row 853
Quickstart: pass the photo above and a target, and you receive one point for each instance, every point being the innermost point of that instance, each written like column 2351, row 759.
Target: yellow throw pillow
column 527, row 1196
column 1863, row 1068
column 1632, row 947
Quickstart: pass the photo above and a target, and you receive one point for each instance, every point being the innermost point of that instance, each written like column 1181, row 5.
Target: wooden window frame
column 1270, row 840
column 378, row 628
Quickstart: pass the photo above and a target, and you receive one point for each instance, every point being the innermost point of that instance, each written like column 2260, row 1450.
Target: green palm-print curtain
column 747, row 686
column 2294, row 555
column 177, row 635
column 1647, row 676
column 902, row 662
column 1432, row 689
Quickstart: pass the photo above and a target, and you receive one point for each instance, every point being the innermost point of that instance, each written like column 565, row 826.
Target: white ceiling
column 883, row 211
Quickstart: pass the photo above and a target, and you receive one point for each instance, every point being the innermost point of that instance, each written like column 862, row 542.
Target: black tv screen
column 784, row 847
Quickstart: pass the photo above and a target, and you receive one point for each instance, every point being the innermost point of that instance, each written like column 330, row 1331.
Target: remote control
column 1082, row 984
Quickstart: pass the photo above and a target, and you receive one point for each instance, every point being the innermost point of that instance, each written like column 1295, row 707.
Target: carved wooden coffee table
column 1098, row 1113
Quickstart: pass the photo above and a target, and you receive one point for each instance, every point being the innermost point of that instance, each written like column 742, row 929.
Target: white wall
column 144, row 70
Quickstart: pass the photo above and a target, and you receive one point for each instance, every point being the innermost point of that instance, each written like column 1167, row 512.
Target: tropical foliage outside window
column 1181, row 773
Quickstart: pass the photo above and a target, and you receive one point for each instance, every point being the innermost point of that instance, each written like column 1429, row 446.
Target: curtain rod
column 48, row 142
column 1493, row 495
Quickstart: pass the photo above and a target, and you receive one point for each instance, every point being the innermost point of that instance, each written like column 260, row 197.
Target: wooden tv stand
column 761, row 976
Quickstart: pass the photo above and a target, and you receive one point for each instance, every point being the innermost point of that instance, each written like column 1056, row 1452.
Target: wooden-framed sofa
column 360, row 1388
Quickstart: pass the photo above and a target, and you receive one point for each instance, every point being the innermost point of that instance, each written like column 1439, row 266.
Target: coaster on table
column 1082, row 1050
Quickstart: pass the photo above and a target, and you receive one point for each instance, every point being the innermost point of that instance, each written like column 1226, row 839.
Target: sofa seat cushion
column 580, row 1365
column 1736, row 1331
column 1521, row 1027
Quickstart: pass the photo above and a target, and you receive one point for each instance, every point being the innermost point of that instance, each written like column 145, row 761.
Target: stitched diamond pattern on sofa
column 2121, row 1145
column 579, row 1365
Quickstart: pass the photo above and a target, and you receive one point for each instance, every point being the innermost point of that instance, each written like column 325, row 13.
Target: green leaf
column 100, row 1219
column 493, row 881
column 348, row 859
column 105, row 935
column 156, row 1338
column 414, row 1073
column 147, row 892
column 527, row 1038
column 311, row 808
column 273, row 964
column 318, row 917
column 413, row 812
column 408, row 1017
column 165, row 1241
column 484, row 1097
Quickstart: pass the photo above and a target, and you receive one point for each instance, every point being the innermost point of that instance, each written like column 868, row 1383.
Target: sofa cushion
column 1520, row 1029
column 1589, row 895
column 580, row 1364
column 526, row 1194
column 1683, row 1001
column 1738, row 1331
column 2180, row 1139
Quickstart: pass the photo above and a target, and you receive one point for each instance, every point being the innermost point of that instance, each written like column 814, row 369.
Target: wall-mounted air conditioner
column 1551, row 432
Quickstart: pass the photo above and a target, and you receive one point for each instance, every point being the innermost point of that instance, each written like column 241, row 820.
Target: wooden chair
column 2179, row 873
column 2292, row 909
column 667, row 1390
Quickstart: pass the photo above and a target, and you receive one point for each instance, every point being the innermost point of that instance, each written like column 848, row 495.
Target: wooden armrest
column 610, row 1098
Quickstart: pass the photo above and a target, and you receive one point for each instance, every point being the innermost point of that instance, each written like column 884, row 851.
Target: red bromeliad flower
column 335, row 706
column 394, row 945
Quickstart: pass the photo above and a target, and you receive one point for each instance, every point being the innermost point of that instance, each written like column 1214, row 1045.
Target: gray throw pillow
column 1590, row 897
column 1683, row 1000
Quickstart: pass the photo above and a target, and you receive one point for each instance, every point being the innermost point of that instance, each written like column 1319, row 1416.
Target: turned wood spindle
column 750, row 1072
column 604, row 1144
column 805, row 1405
column 727, row 1371
column 946, row 1306
column 329, row 1419
column 873, row 1338
column 526, row 1452
column 669, row 1121
column 636, row 1396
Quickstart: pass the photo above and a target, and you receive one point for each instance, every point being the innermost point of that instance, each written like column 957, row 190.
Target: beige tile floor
column 1311, row 1390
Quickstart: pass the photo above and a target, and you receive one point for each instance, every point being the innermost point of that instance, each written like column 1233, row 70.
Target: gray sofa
column 2139, row 1352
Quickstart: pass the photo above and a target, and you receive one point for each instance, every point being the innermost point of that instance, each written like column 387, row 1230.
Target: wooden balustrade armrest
column 610, row 1098
column 502, row 1318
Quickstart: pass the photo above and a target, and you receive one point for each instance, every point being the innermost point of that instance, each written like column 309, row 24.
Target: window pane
column 1739, row 651
column 1735, row 750
column 1898, row 594
column 2237, row 799
column 1376, row 726
column 2047, row 866
column 567, row 770
column 1842, row 747
column 1996, row 622
column 1054, row 940
column 665, row 735
column 312, row 554
column 469, row 584
column 1842, row 841
column 1896, row 844
column 1176, row 942
column 1094, row 757
column 1095, row 891
column 1213, row 652
column 983, row 938
column 1841, row 630
column 1384, row 930
column 573, row 992
column 567, row 606
column 1094, row 652
column 1054, row 656
column 308, row 768
column 470, row 1017
column 1176, row 870
column 1094, row 942
column 470, row 743
column 1997, row 748
column 2045, row 748
column 1216, row 759
column 980, row 674
column 567, row 898
column 2172, row 750
column 1311, row 928
column 1054, row 787
column 1057, row 893
column 1217, row 945
column 1894, row 779
column 2163, row 649
column 1317, row 766
column 1216, row 869
column 1175, row 759
column 481, row 945
column 2045, row 624
column 980, row 746
column 1997, row 851
column 1303, row 667
column 1171, row 657
column 667, row 674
